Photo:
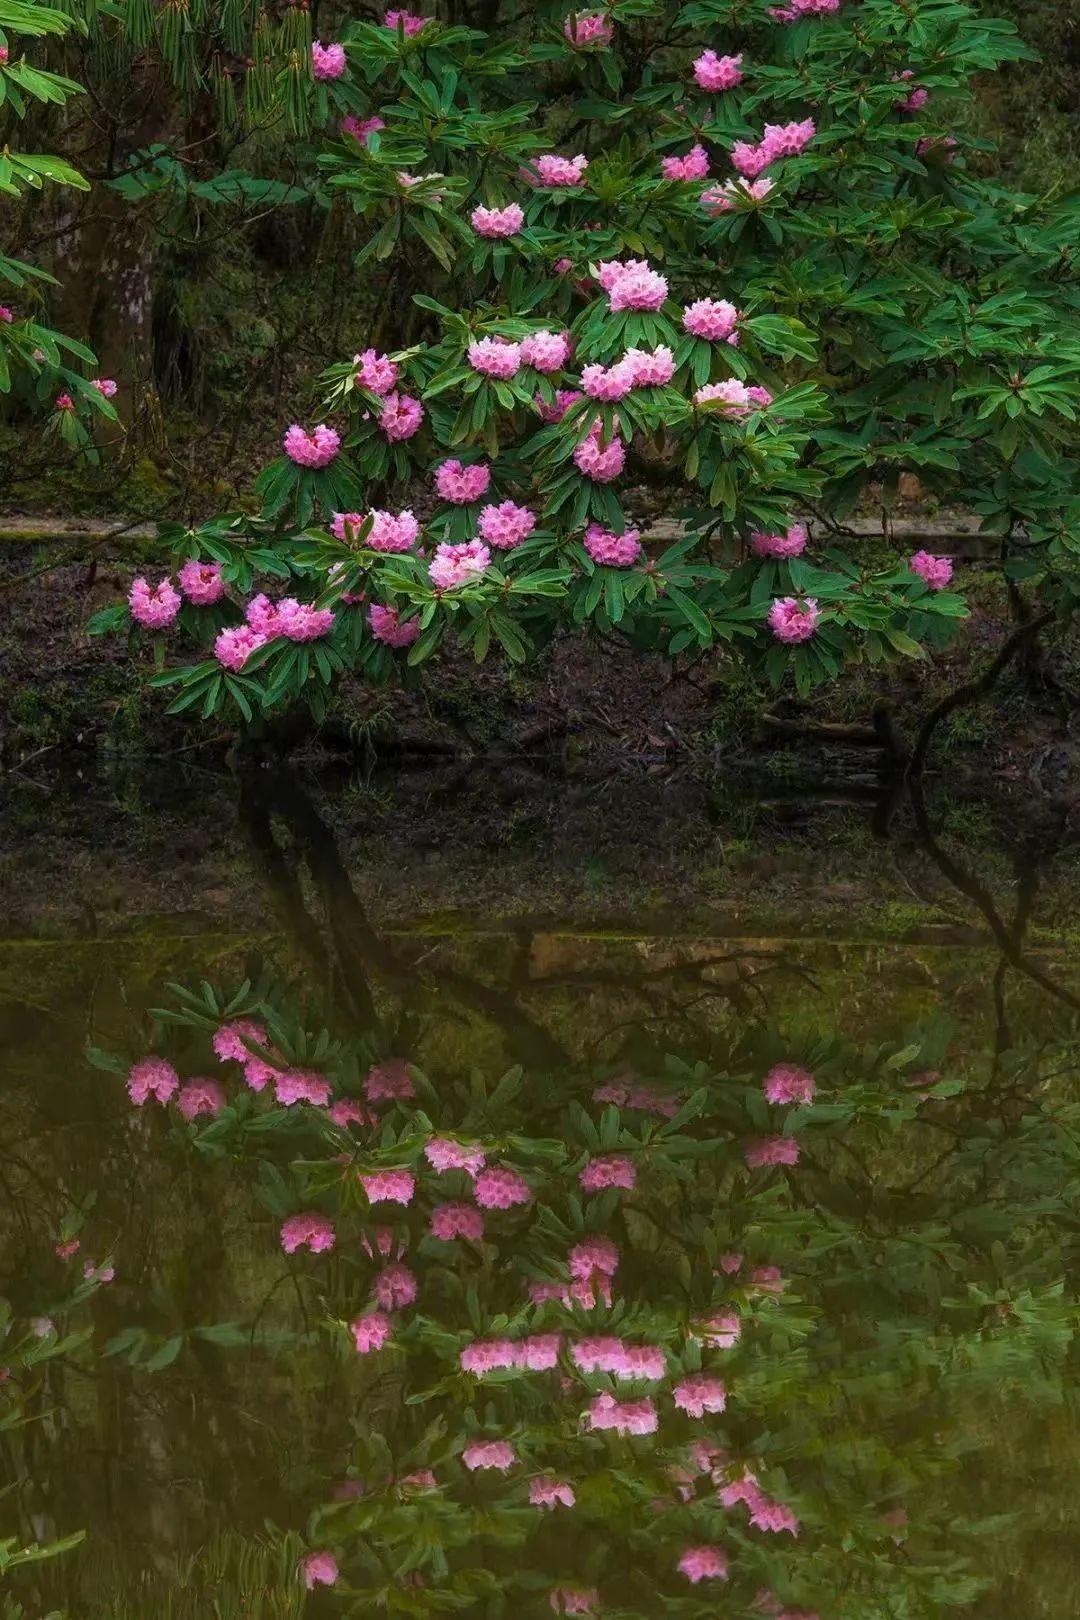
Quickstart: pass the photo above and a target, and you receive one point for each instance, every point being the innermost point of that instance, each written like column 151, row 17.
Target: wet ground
column 615, row 1205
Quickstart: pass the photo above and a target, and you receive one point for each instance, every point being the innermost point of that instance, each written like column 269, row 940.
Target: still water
column 514, row 1270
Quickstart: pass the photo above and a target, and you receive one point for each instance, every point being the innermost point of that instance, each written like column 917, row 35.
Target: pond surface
column 535, row 1266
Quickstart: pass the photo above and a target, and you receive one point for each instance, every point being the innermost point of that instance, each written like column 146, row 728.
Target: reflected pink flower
column 307, row 1231
column 699, row 1394
column 771, row 1150
column 389, row 1081
column 704, row 1564
column 785, row 1083
column 621, row 1360
column 443, row 1154
column 389, row 1187
column 548, row 1492
column 152, row 1077
column 394, row 1288
column 450, row 1221
column 539, row 1352
column 200, row 1097
column 301, row 1085
column 498, row 1454
column 320, row 1569
column 497, row 1188
column 613, row 1170
column 487, row 1355
column 370, row 1332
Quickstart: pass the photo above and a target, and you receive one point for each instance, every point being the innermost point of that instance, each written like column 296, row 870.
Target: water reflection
column 368, row 1274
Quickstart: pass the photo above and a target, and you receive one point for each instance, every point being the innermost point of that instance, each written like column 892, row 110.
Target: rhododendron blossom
column 552, row 170
column 389, row 1187
column 792, row 619
column 407, row 20
column 64, row 402
column 327, row 61
column 607, row 383
column 539, row 1352
column 228, row 1041
column 562, row 403
column 699, row 1394
column 201, row 582
column 387, row 626
column 389, row 532
column 347, row 1111
column 495, row 357
column 599, row 461
column 315, row 449
column 785, row 1083
column 722, row 199
column 637, row 287
column 711, row 318
column 200, row 1097
column 457, row 565
column 545, row 351
column 767, row 1278
column 694, row 166
column 233, row 647
column 65, row 1250
column 506, row 525
column 394, row 1287
column 360, row 128
column 98, row 1274
column 719, row 1332
column 625, row 1417
column 585, row 28
column 152, row 1077
column 154, row 607
column 487, row 1355
column 547, row 1492
column 621, row 1360
column 400, row 417
column 105, row 386
column 791, row 544
column 714, row 72
column 308, row 1231
column 389, row 1081
column 449, row 1221
column 497, row 1188
column 320, row 1569
column 374, row 371
column 574, row 1599
column 592, row 1255
column 498, row 1454
column 462, row 484
column 704, row 1564
column 615, row 1170
column 936, row 571
column 497, row 222
column 771, row 1150
column 443, row 1154
column 647, row 370
column 371, row 1332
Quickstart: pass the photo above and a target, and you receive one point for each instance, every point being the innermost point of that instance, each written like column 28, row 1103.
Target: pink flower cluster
column 443, row 1154
column 917, row 95
column 370, row 1332
column 450, row 1221
column 785, row 1083
column 293, row 1086
column 154, row 607
column 320, row 1569
column 297, row 621
column 506, row 525
column 633, row 285
column 400, row 417
column 624, row 1417
column 389, row 1081
column 457, row 565
column 599, row 461
column 797, row 9
column 407, row 20
column 152, row 1077
column 201, row 582
column 554, row 171
column 327, row 61
column 360, row 128
column 545, row 351
column 694, row 166
column 644, row 1098
column 704, row 1564
column 712, row 318
column 495, row 357
column 387, row 626
column 771, row 1150
column 612, row 550
column 714, row 72
column 614, row 1169
column 374, row 371
column 308, row 1231
column 778, row 141
column 394, row 1287
column 389, row 1187
column 537, row 1353
column 588, row 28
column 722, row 199
column 621, row 1360
column 105, row 387
column 546, row 1492
column 720, row 1332
column 234, row 646
column 699, row 1394
column 791, row 544
column 498, row 1454
column 462, row 484
column 936, row 571
column 564, row 398
column 792, row 619
column 765, row 1514
column 496, row 223
column 315, row 449
column 389, row 532
column 497, row 1188
column 734, row 397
